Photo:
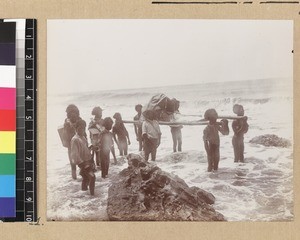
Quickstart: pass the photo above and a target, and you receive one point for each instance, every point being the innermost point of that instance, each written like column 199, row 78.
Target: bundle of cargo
column 162, row 106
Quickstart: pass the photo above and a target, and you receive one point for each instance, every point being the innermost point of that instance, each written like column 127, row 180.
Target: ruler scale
column 30, row 196
column 26, row 204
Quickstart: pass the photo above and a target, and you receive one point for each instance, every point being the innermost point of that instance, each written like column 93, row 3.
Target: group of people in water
column 104, row 132
column 212, row 140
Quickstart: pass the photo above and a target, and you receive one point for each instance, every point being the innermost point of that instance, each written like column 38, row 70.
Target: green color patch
column 7, row 164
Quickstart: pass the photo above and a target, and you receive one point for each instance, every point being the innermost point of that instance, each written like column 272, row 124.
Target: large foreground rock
column 143, row 192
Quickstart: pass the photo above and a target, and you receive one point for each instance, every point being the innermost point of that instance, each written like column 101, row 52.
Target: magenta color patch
column 7, row 98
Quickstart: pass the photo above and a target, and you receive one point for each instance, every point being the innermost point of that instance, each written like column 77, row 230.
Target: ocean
column 261, row 189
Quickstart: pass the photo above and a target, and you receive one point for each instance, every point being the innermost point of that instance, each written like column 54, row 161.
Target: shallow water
column 261, row 189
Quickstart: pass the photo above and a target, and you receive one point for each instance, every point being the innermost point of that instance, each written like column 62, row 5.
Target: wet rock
column 271, row 140
column 143, row 192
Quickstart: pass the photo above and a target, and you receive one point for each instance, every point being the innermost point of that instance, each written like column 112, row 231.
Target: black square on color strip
column 7, row 32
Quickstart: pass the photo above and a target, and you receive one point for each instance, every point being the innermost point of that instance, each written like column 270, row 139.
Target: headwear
column 210, row 114
column 97, row 110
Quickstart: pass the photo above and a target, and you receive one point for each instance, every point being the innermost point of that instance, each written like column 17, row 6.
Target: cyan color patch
column 7, row 186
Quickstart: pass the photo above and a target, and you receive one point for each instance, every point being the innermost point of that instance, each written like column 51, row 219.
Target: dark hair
column 97, row 110
column 72, row 108
column 149, row 114
column 117, row 116
column 138, row 106
column 107, row 123
column 237, row 108
column 210, row 114
column 80, row 124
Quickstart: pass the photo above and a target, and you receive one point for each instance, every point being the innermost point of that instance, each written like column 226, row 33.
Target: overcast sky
column 85, row 55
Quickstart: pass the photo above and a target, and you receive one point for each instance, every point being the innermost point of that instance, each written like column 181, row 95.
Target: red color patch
column 7, row 120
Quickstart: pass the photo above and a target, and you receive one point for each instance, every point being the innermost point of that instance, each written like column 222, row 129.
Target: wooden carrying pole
column 173, row 123
column 191, row 123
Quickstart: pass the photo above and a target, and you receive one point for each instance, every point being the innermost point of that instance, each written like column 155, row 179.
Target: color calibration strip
column 7, row 119
column 20, row 145
column 26, row 204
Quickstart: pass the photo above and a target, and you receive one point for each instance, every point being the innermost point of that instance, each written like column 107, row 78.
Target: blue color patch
column 7, row 207
column 7, row 186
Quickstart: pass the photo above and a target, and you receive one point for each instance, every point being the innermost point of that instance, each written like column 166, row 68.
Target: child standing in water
column 151, row 135
column 120, row 131
column 82, row 157
column 95, row 128
column 211, row 138
column 176, row 129
column 138, row 126
column 69, row 131
column 239, row 127
column 106, row 145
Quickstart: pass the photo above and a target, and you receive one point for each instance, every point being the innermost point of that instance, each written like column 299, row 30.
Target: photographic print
column 169, row 120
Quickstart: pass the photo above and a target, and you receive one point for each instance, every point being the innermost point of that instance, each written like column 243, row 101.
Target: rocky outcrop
column 143, row 192
column 271, row 140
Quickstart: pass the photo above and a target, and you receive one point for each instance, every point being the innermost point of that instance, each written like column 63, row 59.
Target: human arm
column 112, row 149
column 240, row 126
column 75, row 152
column 68, row 132
column 245, row 125
column 135, row 127
column 127, row 135
column 223, row 128
column 159, row 134
column 144, row 130
column 114, row 136
column 159, row 139
column 206, row 139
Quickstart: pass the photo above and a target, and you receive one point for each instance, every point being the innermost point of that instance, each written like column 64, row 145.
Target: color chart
column 23, row 95
column 8, row 119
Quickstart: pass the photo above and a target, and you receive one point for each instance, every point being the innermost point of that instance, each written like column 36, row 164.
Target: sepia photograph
column 170, row 120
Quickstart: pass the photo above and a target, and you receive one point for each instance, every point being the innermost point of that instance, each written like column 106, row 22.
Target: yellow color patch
column 8, row 142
